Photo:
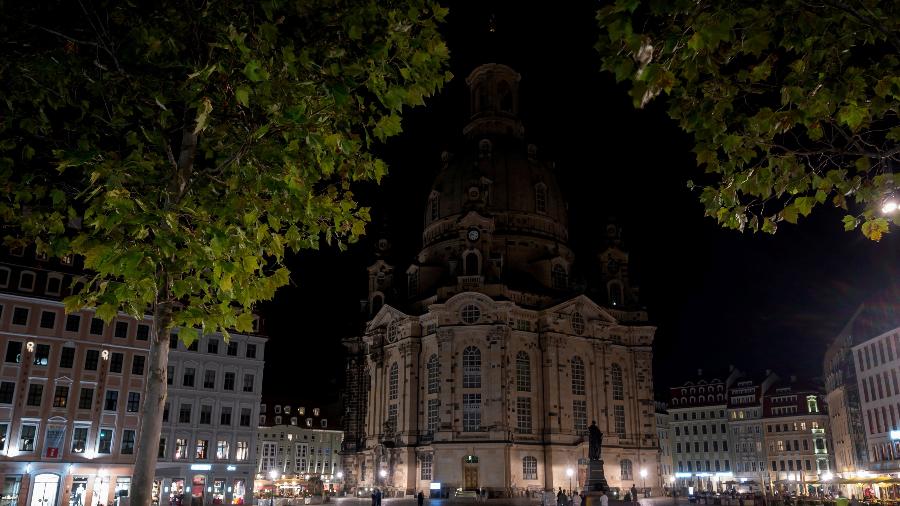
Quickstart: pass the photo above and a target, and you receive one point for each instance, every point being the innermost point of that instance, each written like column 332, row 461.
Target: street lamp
column 569, row 473
column 643, row 480
column 890, row 204
column 340, row 475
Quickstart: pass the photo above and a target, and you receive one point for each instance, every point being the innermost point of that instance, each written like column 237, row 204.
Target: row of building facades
column 840, row 434
column 71, row 389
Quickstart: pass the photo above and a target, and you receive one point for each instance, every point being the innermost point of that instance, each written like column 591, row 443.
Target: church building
column 484, row 362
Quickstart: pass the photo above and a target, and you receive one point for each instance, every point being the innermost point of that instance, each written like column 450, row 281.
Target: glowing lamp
column 382, row 473
column 643, row 473
column 570, row 472
column 273, row 474
column 890, row 204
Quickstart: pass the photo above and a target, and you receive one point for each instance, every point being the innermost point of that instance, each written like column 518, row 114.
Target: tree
column 792, row 104
column 183, row 148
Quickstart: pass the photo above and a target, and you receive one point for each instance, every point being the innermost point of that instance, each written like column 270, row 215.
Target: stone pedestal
column 596, row 481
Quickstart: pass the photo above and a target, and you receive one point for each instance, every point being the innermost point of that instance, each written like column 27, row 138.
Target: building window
column 471, row 412
column 579, row 416
column 104, row 441
column 7, row 389
column 161, row 451
column 619, row 418
column 470, row 262
column 626, row 469
column 202, row 449
column 4, row 277
column 115, row 362
column 434, row 375
column 79, row 439
column 184, row 414
column 134, row 402
column 578, row 376
column 42, row 355
column 67, row 358
column 426, row 466
column 137, row 365
column 73, row 323
column 127, row 442
column 86, row 398
column 251, row 350
column 242, row 451
column 248, row 382
column 188, row 379
column 14, row 352
column 618, row 389
column 394, row 382
column 212, row 346
column 180, row 448
column 91, row 360
column 615, row 293
column 26, row 281
column 470, row 313
column 20, row 316
column 143, row 332
column 222, row 450
column 523, row 372
column 813, row 406
column 35, row 392
column 228, row 384
column 540, row 198
column 225, row 416
column 471, row 367
column 577, row 323
column 26, row 438
column 54, row 284
column 61, row 396
column 435, row 207
column 245, row 417
column 433, row 416
column 112, row 400
column 558, row 277
column 96, row 326
column 529, row 468
column 232, row 350
column 523, row 415
column 209, row 378
column 194, row 346
column 48, row 319
column 121, row 331
column 205, row 414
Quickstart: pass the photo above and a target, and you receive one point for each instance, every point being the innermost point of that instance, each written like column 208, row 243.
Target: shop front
column 63, row 484
column 201, row 485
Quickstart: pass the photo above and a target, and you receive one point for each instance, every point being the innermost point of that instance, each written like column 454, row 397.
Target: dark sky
column 718, row 297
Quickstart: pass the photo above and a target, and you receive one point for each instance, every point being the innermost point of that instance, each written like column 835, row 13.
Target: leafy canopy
column 792, row 104
column 183, row 148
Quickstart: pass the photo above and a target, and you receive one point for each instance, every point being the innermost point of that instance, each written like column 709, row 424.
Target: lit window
column 577, row 323
column 523, row 372
column 393, row 382
column 434, row 375
column 559, row 278
column 471, row 367
column 578, row 387
column 529, row 468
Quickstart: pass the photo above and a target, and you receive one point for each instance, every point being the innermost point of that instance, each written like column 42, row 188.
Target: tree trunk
column 152, row 409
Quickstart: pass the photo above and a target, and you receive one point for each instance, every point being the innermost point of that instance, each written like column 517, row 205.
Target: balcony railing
column 469, row 282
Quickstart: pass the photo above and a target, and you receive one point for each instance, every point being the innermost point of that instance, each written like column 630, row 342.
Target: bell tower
column 494, row 102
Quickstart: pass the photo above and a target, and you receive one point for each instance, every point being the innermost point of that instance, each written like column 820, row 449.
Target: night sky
column 718, row 297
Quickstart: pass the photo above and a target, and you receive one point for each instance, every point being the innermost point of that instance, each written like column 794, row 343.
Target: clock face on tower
column 473, row 234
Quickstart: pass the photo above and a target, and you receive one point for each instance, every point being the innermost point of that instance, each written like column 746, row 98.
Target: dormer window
column 540, row 198
column 484, row 148
column 277, row 409
column 26, row 281
column 315, row 411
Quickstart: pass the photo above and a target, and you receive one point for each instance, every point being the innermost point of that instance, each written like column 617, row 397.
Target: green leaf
column 875, row 229
column 187, row 335
column 203, row 115
column 850, row 223
column 255, row 71
column 242, row 94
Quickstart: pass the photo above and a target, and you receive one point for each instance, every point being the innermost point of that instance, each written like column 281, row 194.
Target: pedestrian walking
column 576, row 499
column 420, row 498
column 604, row 501
column 374, row 497
column 634, row 496
column 560, row 498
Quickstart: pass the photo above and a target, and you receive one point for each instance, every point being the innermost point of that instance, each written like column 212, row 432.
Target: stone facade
column 484, row 367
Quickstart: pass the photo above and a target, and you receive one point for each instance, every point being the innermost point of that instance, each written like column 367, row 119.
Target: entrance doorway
column 45, row 488
column 197, row 490
column 79, row 491
column 470, row 472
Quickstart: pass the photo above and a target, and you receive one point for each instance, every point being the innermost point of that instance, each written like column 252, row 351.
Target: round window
column 470, row 313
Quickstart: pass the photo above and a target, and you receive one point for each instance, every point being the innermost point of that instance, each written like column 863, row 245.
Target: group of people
column 562, row 498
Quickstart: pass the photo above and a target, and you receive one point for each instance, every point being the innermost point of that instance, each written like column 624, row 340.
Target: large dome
column 494, row 172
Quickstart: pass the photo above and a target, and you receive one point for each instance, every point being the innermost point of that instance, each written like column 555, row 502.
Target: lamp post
column 644, row 480
column 569, row 473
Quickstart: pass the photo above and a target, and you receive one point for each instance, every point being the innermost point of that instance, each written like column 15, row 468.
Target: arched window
column 529, row 468
column 540, row 198
column 434, row 207
column 615, row 293
column 394, row 382
column 577, row 376
column 471, row 264
column 472, row 367
column 558, row 277
column 434, row 375
column 617, row 385
column 377, row 302
column 412, row 283
column 504, row 94
column 426, row 466
column 626, row 469
column 577, row 323
column 523, row 372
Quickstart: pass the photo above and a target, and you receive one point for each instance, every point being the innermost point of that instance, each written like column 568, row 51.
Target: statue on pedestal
column 595, row 441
